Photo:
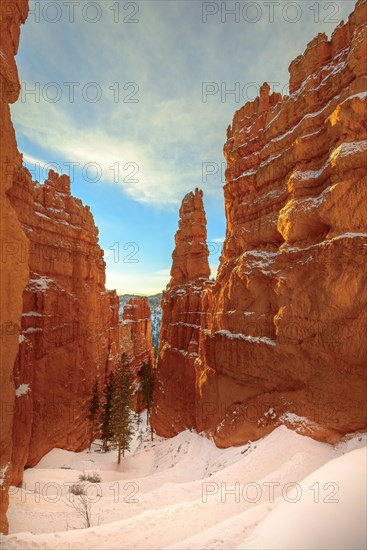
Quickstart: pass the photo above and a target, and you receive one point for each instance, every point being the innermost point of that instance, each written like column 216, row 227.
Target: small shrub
column 93, row 477
column 77, row 489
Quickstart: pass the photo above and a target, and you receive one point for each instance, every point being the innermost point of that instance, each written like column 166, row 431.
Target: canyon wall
column 70, row 333
column 13, row 243
column 69, row 327
column 181, row 322
column 282, row 330
column 59, row 326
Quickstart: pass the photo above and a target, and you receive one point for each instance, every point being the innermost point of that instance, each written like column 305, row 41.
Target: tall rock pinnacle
column 181, row 318
column 190, row 257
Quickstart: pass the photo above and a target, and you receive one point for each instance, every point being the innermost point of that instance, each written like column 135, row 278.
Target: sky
column 133, row 99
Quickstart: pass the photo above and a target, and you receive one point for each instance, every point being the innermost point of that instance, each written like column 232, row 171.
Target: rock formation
column 181, row 321
column 70, row 332
column 69, row 329
column 135, row 333
column 13, row 243
column 282, row 330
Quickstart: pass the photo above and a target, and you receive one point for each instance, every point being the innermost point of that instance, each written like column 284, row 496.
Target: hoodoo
column 181, row 321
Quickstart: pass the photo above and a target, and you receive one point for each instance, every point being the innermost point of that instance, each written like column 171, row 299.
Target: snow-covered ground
column 283, row 491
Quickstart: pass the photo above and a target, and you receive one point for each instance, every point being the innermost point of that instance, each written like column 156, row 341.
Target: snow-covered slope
column 186, row 493
column 329, row 510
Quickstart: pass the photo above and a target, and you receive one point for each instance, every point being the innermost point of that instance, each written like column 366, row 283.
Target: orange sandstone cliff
column 13, row 243
column 282, row 330
column 59, row 325
column 69, row 328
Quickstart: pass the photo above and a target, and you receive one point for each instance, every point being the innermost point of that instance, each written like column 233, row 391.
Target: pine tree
column 147, row 389
column 106, row 429
column 94, row 408
column 121, row 416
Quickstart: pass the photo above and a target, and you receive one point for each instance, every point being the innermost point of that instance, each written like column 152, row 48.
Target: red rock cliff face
column 13, row 243
column 135, row 333
column 59, row 326
column 69, row 329
column 181, row 322
column 283, row 338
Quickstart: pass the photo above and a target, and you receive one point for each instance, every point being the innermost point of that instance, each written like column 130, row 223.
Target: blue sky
column 119, row 90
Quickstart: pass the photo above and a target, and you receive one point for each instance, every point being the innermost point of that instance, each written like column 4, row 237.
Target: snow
column 23, row 389
column 327, row 510
column 353, row 147
column 41, row 283
column 182, row 324
column 342, row 150
column 251, row 339
column 56, row 220
column 361, row 95
column 190, row 494
column 293, row 418
column 3, row 473
column 41, row 215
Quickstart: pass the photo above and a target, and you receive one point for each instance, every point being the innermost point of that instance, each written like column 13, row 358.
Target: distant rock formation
column 154, row 302
column 181, row 321
column 136, row 332
column 281, row 335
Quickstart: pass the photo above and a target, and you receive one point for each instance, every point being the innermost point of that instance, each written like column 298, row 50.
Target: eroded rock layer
column 69, row 329
column 13, row 243
column 282, row 338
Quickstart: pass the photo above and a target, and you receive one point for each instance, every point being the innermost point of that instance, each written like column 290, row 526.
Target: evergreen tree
column 94, row 408
column 147, row 389
column 121, row 416
column 106, row 428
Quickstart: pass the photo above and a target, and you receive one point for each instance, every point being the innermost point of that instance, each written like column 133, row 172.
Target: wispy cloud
column 218, row 240
column 158, row 144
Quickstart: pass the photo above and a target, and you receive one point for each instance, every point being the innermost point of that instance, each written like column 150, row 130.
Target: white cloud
column 33, row 160
column 142, row 169
column 217, row 240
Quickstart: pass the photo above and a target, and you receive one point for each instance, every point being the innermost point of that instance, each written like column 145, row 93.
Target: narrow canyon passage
column 217, row 377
